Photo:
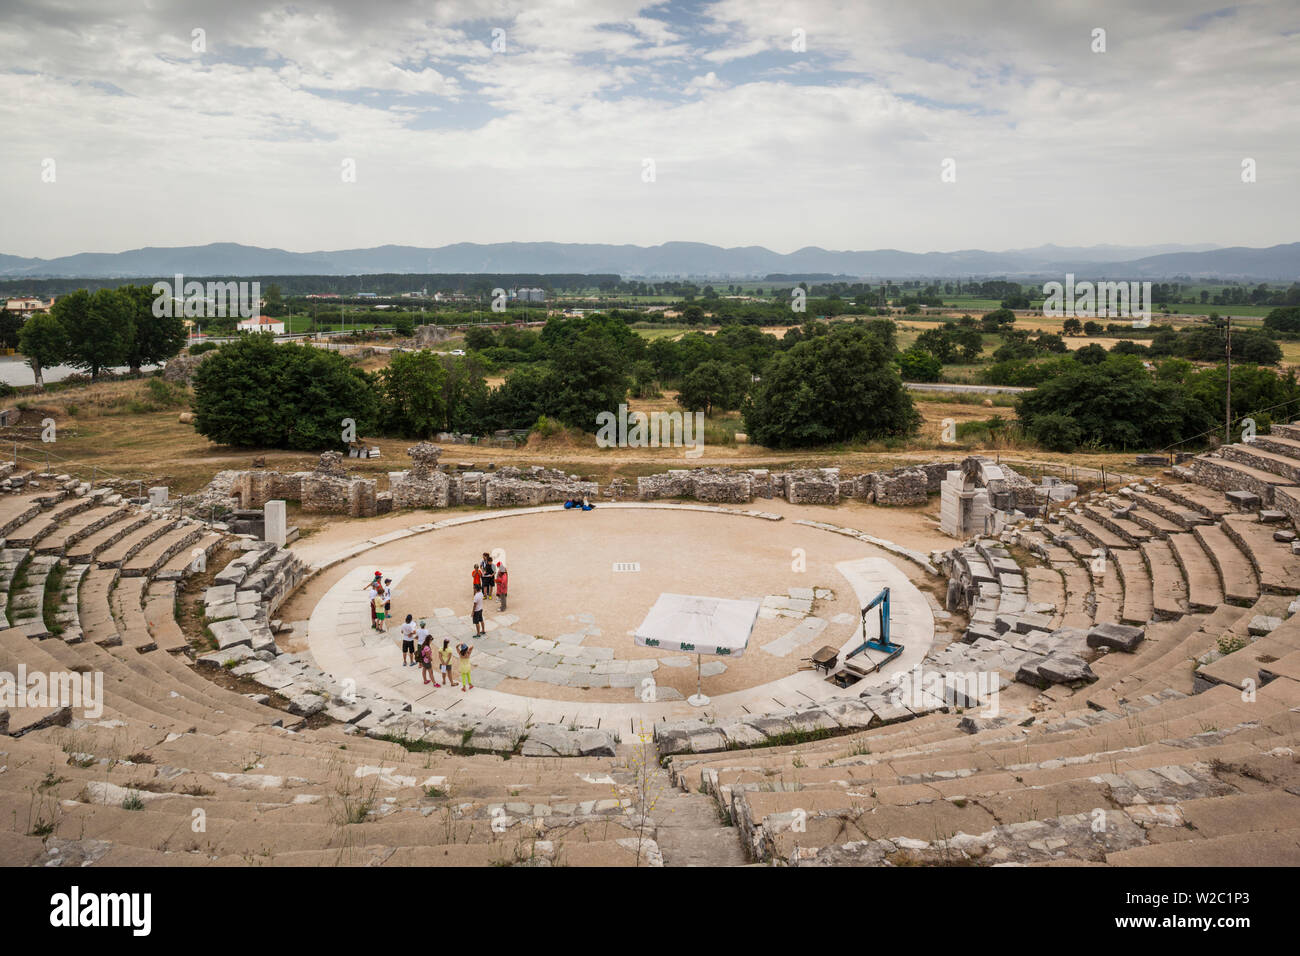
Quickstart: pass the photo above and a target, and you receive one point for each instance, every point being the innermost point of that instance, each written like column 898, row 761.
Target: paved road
column 973, row 389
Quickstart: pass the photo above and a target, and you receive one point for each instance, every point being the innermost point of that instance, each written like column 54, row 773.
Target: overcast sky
column 756, row 139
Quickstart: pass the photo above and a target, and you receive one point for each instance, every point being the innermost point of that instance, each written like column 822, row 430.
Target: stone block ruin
column 982, row 497
column 426, row 485
column 910, row 485
column 431, row 483
column 328, row 489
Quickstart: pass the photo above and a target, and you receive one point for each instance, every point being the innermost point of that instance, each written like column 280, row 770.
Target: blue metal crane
column 884, row 645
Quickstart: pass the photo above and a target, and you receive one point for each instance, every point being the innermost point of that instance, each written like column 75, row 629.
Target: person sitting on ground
column 408, row 630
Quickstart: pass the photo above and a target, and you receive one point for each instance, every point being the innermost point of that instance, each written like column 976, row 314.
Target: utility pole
column 1227, row 413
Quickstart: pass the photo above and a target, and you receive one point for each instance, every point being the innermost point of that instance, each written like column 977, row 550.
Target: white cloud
column 754, row 142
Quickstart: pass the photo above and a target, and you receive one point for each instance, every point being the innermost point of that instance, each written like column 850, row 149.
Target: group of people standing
column 488, row 576
column 418, row 650
column 490, row 579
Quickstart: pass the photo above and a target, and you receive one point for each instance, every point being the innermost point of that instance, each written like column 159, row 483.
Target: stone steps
column 1282, row 430
column 68, row 617
column 1138, row 606
column 1196, row 498
column 160, row 616
column 127, row 602
column 85, row 550
column 1236, row 576
column 1131, row 533
column 1228, row 475
column 1245, row 665
column 30, row 532
column 1163, row 514
column 159, row 551
column 27, row 604
column 94, row 610
column 1274, row 563
column 17, row 510
column 1168, row 588
column 180, row 565
column 1094, row 531
column 1279, row 445
column 1204, row 589
column 1263, row 460
column 81, row 525
column 125, row 547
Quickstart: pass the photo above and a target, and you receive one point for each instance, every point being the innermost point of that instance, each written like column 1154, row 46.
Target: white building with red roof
column 261, row 323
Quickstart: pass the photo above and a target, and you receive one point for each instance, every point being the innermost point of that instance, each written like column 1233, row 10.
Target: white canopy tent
column 698, row 625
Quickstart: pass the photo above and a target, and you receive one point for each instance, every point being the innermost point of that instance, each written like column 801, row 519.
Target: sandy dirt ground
column 561, row 567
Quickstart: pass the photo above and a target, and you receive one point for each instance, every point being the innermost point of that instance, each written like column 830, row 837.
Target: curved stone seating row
column 239, row 606
column 27, row 595
column 30, row 532
column 885, row 797
column 1152, row 734
column 372, row 804
column 1275, row 563
column 123, row 795
column 1165, row 733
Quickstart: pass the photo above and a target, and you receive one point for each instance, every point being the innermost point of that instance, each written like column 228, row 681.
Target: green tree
column 837, row 386
column 589, row 378
column 11, row 324
column 478, row 337
column 693, row 315
column 1285, row 319
column 714, row 386
column 465, row 395
column 522, row 398
column 413, row 405
column 154, row 338
column 1114, row 404
column 997, row 320
column 45, row 343
column 918, row 365
column 98, row 326
column 257, row 393
column 273, row 304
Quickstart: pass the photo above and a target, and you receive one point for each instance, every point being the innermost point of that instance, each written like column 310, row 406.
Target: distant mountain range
column 673, row 259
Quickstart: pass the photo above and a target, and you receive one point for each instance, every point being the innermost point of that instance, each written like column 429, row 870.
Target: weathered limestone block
column 671, row 484
column 813, row 486
column 411, row 490
column 473, row 486
column 902, row 487
column 254, row 488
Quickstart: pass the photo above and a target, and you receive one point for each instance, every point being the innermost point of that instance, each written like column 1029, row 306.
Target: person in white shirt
column 408, row 630
column 477, row 616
